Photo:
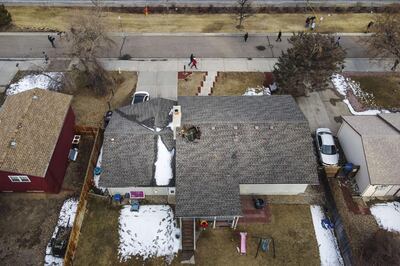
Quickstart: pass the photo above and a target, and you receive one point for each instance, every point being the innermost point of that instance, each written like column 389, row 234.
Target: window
column 19, row 178
column 328, row 149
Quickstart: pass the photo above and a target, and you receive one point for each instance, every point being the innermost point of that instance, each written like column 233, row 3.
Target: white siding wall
column 272, row 189
column 353, row 149
column 150, row 191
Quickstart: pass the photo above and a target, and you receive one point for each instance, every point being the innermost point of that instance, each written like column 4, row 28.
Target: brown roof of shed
column 380, row 136
column 33, row 119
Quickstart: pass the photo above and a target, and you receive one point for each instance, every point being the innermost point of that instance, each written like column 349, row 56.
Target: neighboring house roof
column 130, row 143
column 34, row 120
column 244, row 140
column 380, row 136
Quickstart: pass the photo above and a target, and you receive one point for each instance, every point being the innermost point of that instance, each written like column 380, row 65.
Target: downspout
column 194, row 233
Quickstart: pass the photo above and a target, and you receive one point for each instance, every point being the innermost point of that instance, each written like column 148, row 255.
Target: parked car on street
column 140, row 96
column 327, row 149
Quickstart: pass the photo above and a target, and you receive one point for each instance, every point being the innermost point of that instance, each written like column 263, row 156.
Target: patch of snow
column 259, row 91
column 328, row 248
column 367, row 112
column 387, row 215
column 96, row 178
column 342, row 85
column 163, row 172
column 65, row 219
column 46, row 81
column 151, row 232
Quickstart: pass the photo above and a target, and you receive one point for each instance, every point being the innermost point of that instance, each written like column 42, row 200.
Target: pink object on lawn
column 243, row 243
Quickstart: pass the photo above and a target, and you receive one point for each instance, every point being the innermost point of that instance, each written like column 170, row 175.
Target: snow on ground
column 342, row 85
column 65, row 219
column 259, row 91
column 387, row 215
column 163, row 172
column 328, row 248
column 151, row 232
column 96, row 178
column 49, row 80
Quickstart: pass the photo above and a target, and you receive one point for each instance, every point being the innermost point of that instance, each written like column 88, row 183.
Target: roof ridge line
column 16, row 131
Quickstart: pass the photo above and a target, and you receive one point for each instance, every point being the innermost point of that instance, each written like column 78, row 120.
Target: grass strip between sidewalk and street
column 60, row 18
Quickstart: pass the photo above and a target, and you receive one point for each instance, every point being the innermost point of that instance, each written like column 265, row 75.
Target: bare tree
column 243, row 11
column 308, row 64
column 381, row 249
column 89, row 39
column 385, row 38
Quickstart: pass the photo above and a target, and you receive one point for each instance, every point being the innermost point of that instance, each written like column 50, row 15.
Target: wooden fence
column 80, row 212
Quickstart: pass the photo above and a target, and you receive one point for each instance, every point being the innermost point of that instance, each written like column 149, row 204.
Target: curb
column 184, row 34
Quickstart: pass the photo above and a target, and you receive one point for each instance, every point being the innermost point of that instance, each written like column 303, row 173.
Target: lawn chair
column 243, row 236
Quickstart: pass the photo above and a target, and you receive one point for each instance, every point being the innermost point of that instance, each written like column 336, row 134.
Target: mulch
column 184, row 75
column 352, row 206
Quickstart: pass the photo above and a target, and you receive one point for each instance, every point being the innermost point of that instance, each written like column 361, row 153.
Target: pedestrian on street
column 279, row 36
column 194, row 63
column 370, row 24
column 51, row 40
column 191, row 59
column 337, row 43
column 396, row 62
column 246, row 36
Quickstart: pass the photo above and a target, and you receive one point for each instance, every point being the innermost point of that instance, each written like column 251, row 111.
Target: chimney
column 176, row 118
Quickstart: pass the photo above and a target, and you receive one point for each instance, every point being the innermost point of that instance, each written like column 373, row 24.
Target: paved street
column 189, row 2
column 168, row 46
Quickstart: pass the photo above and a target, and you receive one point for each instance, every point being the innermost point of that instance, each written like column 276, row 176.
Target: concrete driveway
column 323, row 109
column 159, row 84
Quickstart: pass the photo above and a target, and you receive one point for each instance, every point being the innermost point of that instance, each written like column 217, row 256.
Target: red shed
column 36, row 131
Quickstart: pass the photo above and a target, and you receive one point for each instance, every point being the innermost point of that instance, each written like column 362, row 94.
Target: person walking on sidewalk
column 51, row 40
column 279, row 36
column 395, row 65
column 370, row 24
column 191, row 59
column 194, row 63
column 337, row 43
column 246, row 36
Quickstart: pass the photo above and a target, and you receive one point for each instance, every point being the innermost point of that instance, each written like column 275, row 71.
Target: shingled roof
column 130, row 143
column 380, row 136
column 244, row 140
column 33, row 120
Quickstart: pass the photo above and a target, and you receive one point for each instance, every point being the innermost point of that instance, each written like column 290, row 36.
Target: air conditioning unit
column 75, row 141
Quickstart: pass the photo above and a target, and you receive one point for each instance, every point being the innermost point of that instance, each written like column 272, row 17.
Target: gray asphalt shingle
column 244, row 140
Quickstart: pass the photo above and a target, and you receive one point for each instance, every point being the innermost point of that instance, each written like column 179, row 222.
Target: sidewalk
column 234, row 64
column 8, row 68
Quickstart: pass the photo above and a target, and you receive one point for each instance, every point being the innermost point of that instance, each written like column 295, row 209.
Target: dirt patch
column 189, row 86
column 384, row 87
column 76, row 171
column 90, row 109
column 58, row 18
column 26, row 226
column 236, row 83
column 291, row 227
column 99, row 239
column 359, row 227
